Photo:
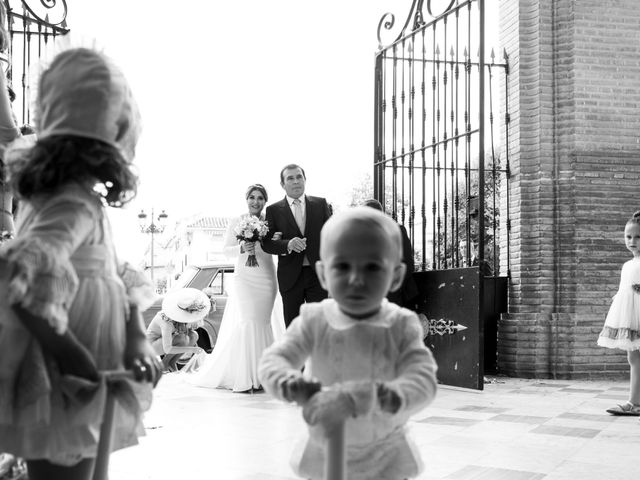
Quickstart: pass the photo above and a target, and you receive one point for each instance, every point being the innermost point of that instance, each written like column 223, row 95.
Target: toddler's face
column 358, row 268
column 632, row 238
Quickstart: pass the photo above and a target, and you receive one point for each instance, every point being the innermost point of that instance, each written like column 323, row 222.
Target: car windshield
column 186, row 277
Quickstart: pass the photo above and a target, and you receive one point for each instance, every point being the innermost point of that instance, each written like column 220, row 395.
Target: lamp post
column 152, row 228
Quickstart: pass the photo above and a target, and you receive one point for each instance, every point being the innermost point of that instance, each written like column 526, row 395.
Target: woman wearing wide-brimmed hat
column 172, row 332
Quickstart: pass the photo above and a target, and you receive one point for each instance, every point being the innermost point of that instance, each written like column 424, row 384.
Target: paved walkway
column 514, row 430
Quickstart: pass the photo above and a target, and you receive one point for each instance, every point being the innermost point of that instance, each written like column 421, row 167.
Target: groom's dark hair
column 291, row 166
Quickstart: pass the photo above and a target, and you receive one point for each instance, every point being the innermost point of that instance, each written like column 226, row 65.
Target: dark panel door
column 450, row 311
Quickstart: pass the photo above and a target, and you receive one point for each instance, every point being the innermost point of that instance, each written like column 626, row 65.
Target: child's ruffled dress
column 62, row 266
column 622, row 325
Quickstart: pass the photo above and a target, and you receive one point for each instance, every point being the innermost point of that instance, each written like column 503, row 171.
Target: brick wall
column 575, row 157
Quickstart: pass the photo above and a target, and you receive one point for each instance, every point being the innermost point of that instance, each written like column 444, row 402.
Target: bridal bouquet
column 251, row 229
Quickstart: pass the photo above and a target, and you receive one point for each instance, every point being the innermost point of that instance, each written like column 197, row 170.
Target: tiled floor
column 514, row 430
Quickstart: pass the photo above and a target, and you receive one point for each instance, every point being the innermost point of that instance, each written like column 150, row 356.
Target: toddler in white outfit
column 367, row 354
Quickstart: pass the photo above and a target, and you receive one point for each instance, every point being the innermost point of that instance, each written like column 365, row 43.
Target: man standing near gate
column 300, row 218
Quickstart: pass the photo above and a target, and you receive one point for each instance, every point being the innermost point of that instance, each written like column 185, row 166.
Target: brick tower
column 575, row 160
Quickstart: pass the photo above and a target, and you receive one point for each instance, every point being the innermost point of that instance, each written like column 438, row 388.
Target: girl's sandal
column 626, row 409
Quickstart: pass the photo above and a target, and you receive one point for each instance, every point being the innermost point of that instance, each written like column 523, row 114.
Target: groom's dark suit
column 297, row 284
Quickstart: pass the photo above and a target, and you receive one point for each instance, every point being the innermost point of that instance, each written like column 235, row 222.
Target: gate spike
column 493, row 56
column 452, row 53
column 465, row 52
column 438, row 49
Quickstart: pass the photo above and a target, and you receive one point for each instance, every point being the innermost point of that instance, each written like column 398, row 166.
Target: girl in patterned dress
column 69, row 308
column 622, row 325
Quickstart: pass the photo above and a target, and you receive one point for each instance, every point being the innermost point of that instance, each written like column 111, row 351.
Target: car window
column 222, row 280
column 229, row 274
column 203, row 278
column 216, row 283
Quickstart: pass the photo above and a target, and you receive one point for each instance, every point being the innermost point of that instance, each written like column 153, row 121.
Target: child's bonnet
column 83, row 93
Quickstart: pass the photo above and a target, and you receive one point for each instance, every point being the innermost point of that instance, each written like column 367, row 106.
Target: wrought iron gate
column 33, row 27
column 435, row 175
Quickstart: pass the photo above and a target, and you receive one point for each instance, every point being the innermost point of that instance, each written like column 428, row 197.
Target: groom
column 300, row 218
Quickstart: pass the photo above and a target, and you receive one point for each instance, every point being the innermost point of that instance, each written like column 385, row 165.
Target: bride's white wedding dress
column 252, row 319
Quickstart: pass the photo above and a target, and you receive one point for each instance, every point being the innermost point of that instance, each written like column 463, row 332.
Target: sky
column 231, row 91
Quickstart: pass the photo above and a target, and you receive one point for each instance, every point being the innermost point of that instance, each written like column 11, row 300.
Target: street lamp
column 152, row 228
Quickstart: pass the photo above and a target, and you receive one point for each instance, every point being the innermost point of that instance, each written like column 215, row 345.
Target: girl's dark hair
column 373, row 203
column 260, row 188
column 635, row 218
column 56, row 160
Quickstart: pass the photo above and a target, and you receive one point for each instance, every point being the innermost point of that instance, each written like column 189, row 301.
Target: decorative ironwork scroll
column 55, row 13
column 439, row 326
column 416, row 14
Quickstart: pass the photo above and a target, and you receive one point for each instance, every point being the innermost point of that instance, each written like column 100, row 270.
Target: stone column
column 575, row 162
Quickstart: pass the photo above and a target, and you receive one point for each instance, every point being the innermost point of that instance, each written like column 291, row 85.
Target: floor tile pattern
column 515, row 429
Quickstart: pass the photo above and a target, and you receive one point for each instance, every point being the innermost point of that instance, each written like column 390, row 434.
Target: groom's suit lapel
column 288, row 215
column 308, row 221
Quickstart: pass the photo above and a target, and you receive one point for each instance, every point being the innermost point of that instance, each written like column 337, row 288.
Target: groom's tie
column 297, row 213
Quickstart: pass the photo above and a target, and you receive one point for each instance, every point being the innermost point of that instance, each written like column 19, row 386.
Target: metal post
column 152, row 229
column 101, row 468
column 335, row 467
column 481, row 130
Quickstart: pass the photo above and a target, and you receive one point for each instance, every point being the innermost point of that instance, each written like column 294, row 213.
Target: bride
column 250, row 321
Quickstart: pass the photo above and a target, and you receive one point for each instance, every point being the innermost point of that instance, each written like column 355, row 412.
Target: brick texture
column 574, row 102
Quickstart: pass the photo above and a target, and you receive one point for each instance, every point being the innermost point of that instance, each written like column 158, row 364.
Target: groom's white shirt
column 303, row 207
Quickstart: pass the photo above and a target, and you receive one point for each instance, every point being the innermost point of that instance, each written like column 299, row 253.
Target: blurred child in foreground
column 366, row 353
column 69, row 308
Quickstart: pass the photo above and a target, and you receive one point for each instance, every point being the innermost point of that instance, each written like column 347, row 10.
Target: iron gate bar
column 441, row 142
column 26, row 63
column 467, row 116
column 433, row 140
column 448, row 62
column 412, row 95
column 24, row 68
column 481, row 80
column 493, row 163
column 395, row 118
column 507, row 121
column 424, row 160
column 402, row 157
